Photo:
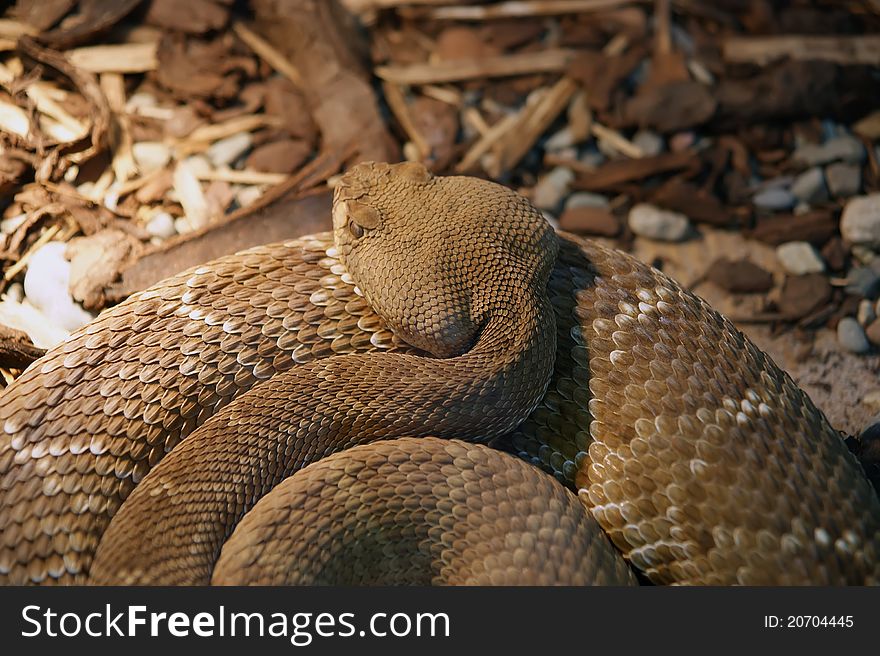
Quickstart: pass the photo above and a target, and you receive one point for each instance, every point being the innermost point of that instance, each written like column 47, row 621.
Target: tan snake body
column 702, row 461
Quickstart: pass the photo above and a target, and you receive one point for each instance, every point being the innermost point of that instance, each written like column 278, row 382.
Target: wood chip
column 517, row 9
column 844, row 50
column 191, row 196
column 242, row 177
column 532, row 123
column 622, row 171
column 544, row 61
column 397, row 102
column 269, row 53
column 123, row 58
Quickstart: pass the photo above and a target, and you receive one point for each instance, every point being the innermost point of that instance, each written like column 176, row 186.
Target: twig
column 532, row 125
column 545, row 61
column 242, row 177
column 17, row 350
column 662, row 27
column 267, row 51
column 19, row 266
column 443, row 94
column 397, row 103
column 485, row 142
column 620, row 143
column 122, row 58
column 232, row 126
column 845, row 50
column 517, row 9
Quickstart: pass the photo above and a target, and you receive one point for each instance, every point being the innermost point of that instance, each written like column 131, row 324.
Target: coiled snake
column 260, row 419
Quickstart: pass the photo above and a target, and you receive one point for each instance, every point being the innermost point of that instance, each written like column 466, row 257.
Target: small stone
column 739, row 276
column 650, row 143
column 247, row 195
column 198, row 164
column 161, row 225
column 139, row 100
column 682, row 141
column 46, row 287
column 559, row 141
column 873, row 332
column 863, row 281
column 590, row 221
column 226, row 151
column 860, row 221
column 586, row 199
column 552, row 188
column 809, row 186
column 592, row 157
column 799, row 258
column 851, row 336
column 649, row 221
column 844, row 180
column 866, row 313
column 774, row 198
column 182, row 225
column 150, row 155
column 841, row 148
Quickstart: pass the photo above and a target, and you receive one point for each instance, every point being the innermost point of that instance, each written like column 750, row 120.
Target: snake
column 443, row 390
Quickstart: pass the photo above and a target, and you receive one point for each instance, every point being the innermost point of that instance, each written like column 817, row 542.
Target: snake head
column 434, row 256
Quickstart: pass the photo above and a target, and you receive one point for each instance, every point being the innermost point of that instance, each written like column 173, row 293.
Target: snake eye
column 355, row 229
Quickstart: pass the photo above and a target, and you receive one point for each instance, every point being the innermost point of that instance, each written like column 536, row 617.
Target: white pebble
column 809, row 186
column 161, row 225
column 799, row 258
column 860, row 221
column 46, row 287
column 559, row 141
column 248, row 195
column 586, row 199
column 649, row 221
column 851, row 336
column 228, row 150
column 552, row 188
column 650, row 143
column 150, row 155
column 866, row 313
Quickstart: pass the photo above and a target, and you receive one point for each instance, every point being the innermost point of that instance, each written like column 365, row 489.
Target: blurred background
column 732, row 144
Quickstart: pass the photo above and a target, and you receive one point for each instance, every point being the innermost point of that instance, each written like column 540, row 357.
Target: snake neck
column 312, row 411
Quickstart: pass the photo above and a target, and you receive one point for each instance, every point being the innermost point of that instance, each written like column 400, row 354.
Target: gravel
column 851, row 336
column 809, row 186
column 844, row 179
column 552, row 188
column 649, row 221
column 860, row 221
column 799, row 258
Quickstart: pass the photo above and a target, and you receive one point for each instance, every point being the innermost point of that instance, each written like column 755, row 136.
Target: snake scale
column 349, row 408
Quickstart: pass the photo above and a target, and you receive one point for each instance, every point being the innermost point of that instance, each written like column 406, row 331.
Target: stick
column 518, row 9
column 533, row 123
column 845, row 50
column 546, row 61
column 397, row 103
column 267, row 51
column 124, row 58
